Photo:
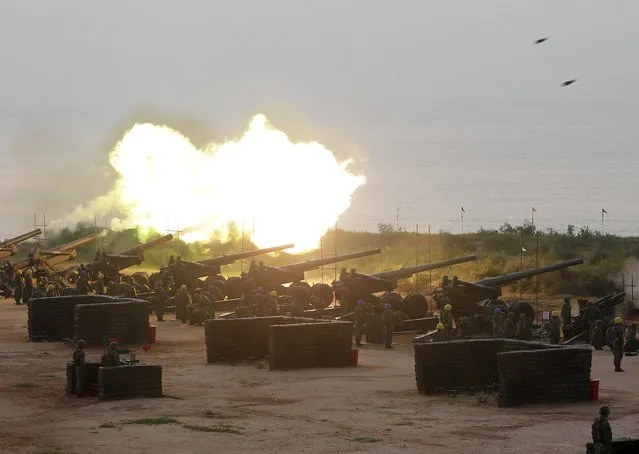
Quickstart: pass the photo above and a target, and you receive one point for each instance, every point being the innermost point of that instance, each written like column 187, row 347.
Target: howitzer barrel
column 314, row 264
column 230, row 258
column 20, row 238
column 148, row 245
column 510, row 278
column 407, row 272
column 72, row 244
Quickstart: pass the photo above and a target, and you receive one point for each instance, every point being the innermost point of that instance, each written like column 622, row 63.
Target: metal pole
column 242, row 261
column 462, row 220
column 430, row 260
column 632, row 293
column 416, row 256
column 521, row 266
column 537, row 277
column 335, row 239
column 322, row 258
column 397, row 219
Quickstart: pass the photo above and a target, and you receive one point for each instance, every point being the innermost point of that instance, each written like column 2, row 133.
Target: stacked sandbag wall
column 619, row 446
column 452, row 365
column 544, row 376
column 304, row 345
column 52, row 318
column 233, row 339
column 129, row 381
column 128, row 321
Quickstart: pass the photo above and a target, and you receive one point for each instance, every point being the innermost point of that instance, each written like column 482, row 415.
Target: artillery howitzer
column 362, row 286
column 273, row 278
column 189, row 273
column 604, row 310
column 47, row 259
column 480, row 298
column 9, row 247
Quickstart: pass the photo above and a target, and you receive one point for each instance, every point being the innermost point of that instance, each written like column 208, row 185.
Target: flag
column 603, row 211
column 462, row 210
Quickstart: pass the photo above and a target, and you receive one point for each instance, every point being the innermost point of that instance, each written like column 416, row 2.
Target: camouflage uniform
column 566, row 311
column 597, row 338
column 259, row 300
column 82, row 284
column 111, row 355
column 160, row 298
column 182, row 300
column 446, row 318
column 100, row 289
column 389, row 325
column 27, row 290
column 80, row 370
column 617, row 346
column 509, row 326
column 360, row 323
column 17, row 288
column 463, row 327
column 602, row 435
column 272, row 307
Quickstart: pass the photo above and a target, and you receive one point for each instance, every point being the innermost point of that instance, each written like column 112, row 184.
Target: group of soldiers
column 111, row 357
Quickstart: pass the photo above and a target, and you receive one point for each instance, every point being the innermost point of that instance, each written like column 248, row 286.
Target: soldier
column 259, row 301
column 17, row 287
column 440, row 335
column 509, row 326
column 617, row 343
column 602, row 432
column 342, row 295
column 27, row 289
column 182, row 300
column 566, row 312
column 554, row 327
column 360, row 321
column 99, row 284
column 522, row 332
column 296, row 308
column 82, row 284
column 464, row 328
column 272, row 307
column 51, row 291
column 446, row 317
column 111, row 356
column 591, row 314
column 389, row 324
column 252, row 266
column 498, row 329
column 160, row 298
column 79, row 364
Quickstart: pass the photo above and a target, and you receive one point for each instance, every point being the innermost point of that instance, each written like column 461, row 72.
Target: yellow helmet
column 273, row 293
column 100, row 275
column 50, row 288
column 19, row 272
column 555, row 313
column 183, row 287
column 440, row 327
column 28, row 273
column 448, row 307
column 618, row 320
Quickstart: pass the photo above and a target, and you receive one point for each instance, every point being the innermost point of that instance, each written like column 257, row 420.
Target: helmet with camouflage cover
column 81, row 343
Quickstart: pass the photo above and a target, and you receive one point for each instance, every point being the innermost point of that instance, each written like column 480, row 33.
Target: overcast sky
column 353, row 74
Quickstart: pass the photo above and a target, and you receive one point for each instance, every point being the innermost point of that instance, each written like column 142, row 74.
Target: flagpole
column 532, row 216
column 521, row 266
column 462, row 220
column 602, row 220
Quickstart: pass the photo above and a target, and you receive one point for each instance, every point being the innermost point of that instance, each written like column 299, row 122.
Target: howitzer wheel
column 140, row 278
column 233, row 287
column 522, row 307
column 153, row 278
column 416, row 305
column 216, row 281
column 395, row 300
column 300, row 293
column 325, row 294
column 71, row 276
column 303, row 284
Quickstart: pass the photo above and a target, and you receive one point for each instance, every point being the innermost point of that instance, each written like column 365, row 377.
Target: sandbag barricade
column 233, row 339
column 296, row 346
column 52, row 318
column 525, row 372
column 129, row 381
column 127, row 321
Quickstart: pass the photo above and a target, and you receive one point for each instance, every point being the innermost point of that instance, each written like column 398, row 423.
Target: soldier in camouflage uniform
column 597, row 337
column 617, row 343
column 259, row 301
column 440, row 335
column 80, row 369
column 602, row 432
column 17, row 287
column 100, row 289
column 272, row 307
column 509, row 326
column 159, row 299
column 82, row 284
column 182, row 300
column 111, row 356
column 27, row 289
column 554, row 327
column 446, row 318
column 360, row 321
column 389, row 324
column 522, row 332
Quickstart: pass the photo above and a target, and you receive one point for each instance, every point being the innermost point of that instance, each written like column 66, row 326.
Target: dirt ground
column 372, row 408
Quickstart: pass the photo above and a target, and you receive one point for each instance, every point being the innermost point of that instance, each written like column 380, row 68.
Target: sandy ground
column 372, row 408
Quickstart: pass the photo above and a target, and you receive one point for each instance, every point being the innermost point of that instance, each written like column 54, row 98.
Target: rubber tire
column 325, row 293
column 233, row 287
column 395, row 300
column 141, row 278
column 301, row 294
column 522, row 307
column 416, row 305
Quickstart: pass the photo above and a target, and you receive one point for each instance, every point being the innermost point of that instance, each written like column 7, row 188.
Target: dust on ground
column 244, row 408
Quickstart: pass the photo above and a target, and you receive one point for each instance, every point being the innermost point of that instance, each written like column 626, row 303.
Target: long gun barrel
column 314, row 264
column 230, row 258
column 72, row 244
column 510, row 278
column 407, row 272
column 20, row 238
column 148, row 245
